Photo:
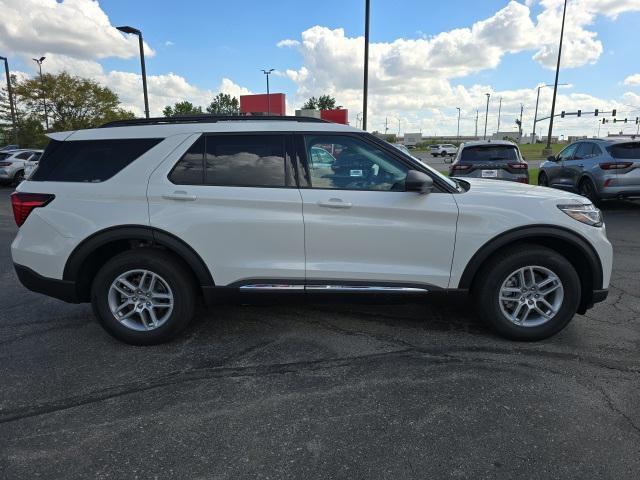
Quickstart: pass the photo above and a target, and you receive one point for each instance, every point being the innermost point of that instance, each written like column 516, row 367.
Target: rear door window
column 89, row 160
column 629, row 151
column 490, row 154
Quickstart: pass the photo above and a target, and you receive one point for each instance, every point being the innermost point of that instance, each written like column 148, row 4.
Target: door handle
column 335, row 203
column 180, row 195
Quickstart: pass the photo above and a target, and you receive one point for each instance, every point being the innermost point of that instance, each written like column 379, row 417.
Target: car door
column 574, row 166
column 233, row 198
column 362, row 228
column 558, row 174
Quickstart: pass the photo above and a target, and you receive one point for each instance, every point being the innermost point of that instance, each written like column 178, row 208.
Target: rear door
column 234, row 200
column 362, row 228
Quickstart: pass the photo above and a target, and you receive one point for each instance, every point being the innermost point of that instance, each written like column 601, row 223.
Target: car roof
column 232, row 125
column 612, row 140
column 20, row 150
column 475, row 143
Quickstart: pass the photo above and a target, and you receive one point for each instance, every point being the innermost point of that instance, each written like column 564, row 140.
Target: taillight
column 461, row 168
column 5, row 164
column 519, row 166
column 615, row 165
column 24, row 203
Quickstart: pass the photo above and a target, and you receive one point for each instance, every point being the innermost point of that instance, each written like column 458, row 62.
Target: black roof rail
column 207, row 119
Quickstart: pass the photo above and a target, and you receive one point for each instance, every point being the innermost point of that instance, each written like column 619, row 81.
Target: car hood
column 511, row 189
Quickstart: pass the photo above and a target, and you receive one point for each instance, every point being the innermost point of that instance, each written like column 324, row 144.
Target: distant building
column 575, row 138
column 411, row 139
column 512, row 136
column 263, row 104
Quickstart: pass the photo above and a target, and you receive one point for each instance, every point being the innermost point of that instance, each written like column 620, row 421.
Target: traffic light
column 637, row 120
column 562, row 114
column 595, row 114
column 579, row 113
column 613, row 114
column 604, row 120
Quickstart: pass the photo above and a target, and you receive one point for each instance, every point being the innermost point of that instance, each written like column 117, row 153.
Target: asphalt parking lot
column 322, row 391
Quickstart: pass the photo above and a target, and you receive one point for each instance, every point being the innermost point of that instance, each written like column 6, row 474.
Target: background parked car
column 496, row 159
column 9, row 147
column 31, row 164
column 597, row 169
column 446, row 149
column 12, row 164
column 402, row 148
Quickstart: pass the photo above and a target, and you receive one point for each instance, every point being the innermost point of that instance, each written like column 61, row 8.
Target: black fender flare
column 532, row 232
column 155, row 236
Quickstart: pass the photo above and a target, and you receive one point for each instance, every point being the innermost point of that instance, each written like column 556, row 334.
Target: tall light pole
column 44, row 100
column 458, row 131
column 486, row 116
column 535, row 115
column 10, row 94
column 135, row 31
column 477, row 113
column 555, row 84
column 365, row 87
column 499, row 113
column 266, row 74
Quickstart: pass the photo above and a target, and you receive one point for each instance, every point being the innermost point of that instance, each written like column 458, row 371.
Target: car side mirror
column 418, row 182
column 551, row 158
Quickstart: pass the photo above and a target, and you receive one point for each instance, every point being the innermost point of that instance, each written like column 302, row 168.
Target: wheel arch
column 92, row 252
column 573, row 246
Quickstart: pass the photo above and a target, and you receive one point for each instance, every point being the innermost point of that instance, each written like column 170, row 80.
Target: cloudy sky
column 426, row 57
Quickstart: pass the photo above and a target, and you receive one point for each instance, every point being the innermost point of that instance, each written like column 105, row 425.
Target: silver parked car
column 13, row 162
column 597, row 169
column 495, row 159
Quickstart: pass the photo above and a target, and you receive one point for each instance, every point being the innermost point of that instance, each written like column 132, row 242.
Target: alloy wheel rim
column 531, row 296
column 140, row 300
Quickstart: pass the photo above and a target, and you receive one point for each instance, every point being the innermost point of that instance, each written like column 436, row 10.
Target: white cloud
column 76, row 28
column 169, row 43
column 287, row 43
column 633, row 80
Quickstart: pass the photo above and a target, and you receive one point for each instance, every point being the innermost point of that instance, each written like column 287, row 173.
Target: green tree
column 72, row 102
column 181, row 109
column 324, row 102
column 224, row 104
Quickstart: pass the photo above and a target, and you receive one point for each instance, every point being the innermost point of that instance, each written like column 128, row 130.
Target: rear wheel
column 143, row 297
column 19, row 177
column 543, row 181
column 588, row 189
column 444, row 154
column 528, row 292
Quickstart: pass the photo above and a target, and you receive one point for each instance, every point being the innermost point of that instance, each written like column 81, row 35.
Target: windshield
column 493, row 153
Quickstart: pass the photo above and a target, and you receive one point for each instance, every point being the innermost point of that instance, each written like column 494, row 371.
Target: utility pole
column 10, row 93
column 398, row 128
column 535, row 115
column 486, row 116
column 365, row 89
column 44, row 100
column 458, row 132
column 143, row 70
column 555, row 85
column 266, row 74
column 386, row 125
column 477, row 112
column 520, row 129
column 499, row 112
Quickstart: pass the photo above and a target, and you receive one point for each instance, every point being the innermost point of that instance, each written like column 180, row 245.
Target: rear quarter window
column 89, row 160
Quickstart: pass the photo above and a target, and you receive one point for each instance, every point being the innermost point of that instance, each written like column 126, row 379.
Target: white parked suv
column 14, row 162
column 143, row 218
column 444, row 150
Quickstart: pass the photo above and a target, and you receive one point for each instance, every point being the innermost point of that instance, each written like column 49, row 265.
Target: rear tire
column 143, row 308
column 443, row 154
column 534, row 320
column 18, row 177
column 588, row 189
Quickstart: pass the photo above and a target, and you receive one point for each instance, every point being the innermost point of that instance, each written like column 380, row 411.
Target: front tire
column 443, row 154
column 18, row 177
column 527, row 292
column 543, row 181
column 588, row 189
column 143, row 296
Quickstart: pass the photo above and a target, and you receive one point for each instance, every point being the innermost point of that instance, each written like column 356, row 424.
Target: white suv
column 443, row 150
column 144, row 217
column 13, row 164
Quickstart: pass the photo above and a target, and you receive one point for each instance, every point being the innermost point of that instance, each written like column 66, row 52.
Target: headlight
column 583, row 213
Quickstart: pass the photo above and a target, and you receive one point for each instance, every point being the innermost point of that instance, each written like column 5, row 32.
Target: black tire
column 489, row 280
column 171, row 270
column 543, row 181
column 444, row 154
column 588, row 189
column 18, row 177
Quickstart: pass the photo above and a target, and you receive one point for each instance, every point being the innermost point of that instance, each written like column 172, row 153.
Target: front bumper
column 60, row 289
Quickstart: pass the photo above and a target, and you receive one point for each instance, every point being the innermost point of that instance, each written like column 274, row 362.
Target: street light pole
column 267, row 73
column 499, row 113
column 458, row 131
column 44, row 100
column 555, row 85
column 486, row 116
column 365, row 87
column 535, row 116
column 10, row 93
column 135, row 31
column 477, row 113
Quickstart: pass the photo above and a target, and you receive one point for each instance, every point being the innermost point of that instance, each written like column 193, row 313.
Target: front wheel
column 528, row 292
column 18, row 178
column 588, row 189
column 543, row 181
column 443, row 154
column 143, row 296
